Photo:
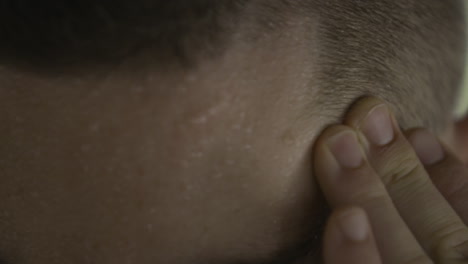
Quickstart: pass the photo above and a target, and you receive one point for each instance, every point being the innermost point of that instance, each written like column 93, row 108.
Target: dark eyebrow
column 310, row 248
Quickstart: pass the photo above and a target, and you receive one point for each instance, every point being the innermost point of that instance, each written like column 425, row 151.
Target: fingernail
column 378, row 126
column 346, row 150
column 354, row 224
column 427, row 147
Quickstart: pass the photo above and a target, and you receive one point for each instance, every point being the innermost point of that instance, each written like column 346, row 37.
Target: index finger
column 430, row 217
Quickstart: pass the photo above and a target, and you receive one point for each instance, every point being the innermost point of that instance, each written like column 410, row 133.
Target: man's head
column 167, row 132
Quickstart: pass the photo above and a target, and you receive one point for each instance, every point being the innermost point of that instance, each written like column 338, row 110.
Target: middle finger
column 347, row 179
column 430, row 217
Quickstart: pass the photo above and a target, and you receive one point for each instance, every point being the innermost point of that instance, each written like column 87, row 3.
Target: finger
column 461, row 130
column 430, row 217
column 347, row 179
column 449, row 175
column 348, row 239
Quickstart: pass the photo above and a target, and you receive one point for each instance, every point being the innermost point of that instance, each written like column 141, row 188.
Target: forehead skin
column 210, row 165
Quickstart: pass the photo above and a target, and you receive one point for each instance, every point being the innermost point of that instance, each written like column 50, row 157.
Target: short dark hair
column 385, row 48
column 408, row 52
column 54, row 33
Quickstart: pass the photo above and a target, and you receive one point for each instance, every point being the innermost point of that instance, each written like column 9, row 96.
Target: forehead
column 144, row 169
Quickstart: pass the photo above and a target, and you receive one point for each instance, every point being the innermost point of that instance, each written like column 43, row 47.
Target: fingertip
column 354, row 224
column 325, row 160
column 360, row 109
column 427, row 146
column 349, row 232
column 449, row 174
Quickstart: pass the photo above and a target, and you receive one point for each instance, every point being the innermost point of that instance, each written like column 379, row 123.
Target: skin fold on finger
column 347, row 179
column 461, row 138
column 348, row 238
column 450, row 175
column 430, row 217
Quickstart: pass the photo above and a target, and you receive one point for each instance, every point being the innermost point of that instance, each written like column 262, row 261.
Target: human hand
column 397, row 198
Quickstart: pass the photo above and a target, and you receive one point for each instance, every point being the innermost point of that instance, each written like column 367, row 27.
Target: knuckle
column 453, row 186
column 370, row 196
column 402, row 172
column 452, row 245
column 419, row 259
column 462, row 250
column 458, row 189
